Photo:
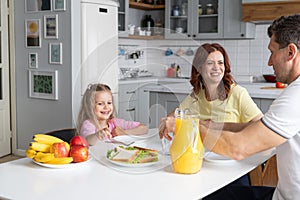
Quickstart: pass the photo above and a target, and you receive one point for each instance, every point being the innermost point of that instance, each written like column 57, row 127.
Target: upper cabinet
column 233, row 26
column 267, row 11
column 122, row 15
column 206, row 19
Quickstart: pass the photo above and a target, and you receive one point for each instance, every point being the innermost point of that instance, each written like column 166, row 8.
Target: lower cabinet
column 263, row 104
column 134, row 102
column 128, row 110
column 161, row 104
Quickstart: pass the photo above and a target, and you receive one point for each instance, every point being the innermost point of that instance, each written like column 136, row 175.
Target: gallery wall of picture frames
column 39, row 31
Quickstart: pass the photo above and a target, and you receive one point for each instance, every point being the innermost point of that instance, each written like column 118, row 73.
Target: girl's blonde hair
column 88, row 104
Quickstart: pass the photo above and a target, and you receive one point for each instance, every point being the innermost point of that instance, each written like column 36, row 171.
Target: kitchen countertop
column 255, row 89
column 182, row 86
column 156, row 79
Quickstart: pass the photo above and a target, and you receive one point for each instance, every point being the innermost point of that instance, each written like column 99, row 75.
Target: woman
column 216, row 96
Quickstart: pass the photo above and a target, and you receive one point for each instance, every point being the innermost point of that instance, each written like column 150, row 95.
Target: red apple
column 60, row 149
column 79, row 153
column 79, row 140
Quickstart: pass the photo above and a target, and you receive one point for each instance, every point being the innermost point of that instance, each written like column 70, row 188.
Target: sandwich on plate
column 132, row 155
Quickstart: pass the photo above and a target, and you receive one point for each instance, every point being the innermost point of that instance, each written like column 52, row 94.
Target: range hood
column 266, row 12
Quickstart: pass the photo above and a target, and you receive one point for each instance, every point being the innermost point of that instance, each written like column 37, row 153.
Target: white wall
column 248, row 57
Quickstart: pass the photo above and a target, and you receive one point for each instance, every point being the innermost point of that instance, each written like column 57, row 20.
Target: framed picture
column 43, row 84
column 37, row 5
column 59, row 5
column 33, row 60
column 50, row 26
column 55, row 53
column 32, row 33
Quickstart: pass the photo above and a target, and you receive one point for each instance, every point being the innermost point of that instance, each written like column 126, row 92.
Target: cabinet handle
column 130, row 109
column 189, row 35
column 194, row 35
column 242, row 35
column 132, row 92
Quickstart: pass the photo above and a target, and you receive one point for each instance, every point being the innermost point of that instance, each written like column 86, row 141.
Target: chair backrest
column 64, row 134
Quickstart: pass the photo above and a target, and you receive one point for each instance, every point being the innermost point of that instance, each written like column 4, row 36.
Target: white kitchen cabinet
column 233, row 26
column 263, row 104
column 128, row 104
column 188, row 23
column 134, row 102
column 128, row 110
column 144, row 102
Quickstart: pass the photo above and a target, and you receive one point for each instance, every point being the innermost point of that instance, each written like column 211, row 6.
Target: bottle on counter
column 178, row 71
column 147, row 22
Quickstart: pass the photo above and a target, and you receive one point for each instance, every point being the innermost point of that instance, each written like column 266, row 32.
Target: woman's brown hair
column 199, row 61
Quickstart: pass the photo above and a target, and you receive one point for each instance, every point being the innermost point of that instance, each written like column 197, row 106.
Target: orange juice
column 187, row 149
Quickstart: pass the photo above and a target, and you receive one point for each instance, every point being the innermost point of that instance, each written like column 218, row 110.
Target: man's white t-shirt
column 283, row 118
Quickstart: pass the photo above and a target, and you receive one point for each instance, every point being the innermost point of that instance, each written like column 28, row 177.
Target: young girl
column 96, row 119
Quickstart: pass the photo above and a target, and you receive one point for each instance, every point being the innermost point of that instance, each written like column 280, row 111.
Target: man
column 280, row 127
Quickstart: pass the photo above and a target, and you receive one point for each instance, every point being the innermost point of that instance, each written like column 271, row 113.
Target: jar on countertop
column 210, row 9
column 175, row 11
column 200, row 9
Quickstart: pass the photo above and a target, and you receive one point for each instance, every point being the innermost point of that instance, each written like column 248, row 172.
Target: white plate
column 62, row 166
column 216, row 158
column 133, row 165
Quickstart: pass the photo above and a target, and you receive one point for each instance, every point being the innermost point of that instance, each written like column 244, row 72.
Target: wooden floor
column 9, row 158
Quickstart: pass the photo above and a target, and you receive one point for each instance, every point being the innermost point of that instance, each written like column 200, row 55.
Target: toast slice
column 125, row 155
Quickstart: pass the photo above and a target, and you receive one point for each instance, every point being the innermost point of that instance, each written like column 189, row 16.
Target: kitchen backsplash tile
column 248, row 57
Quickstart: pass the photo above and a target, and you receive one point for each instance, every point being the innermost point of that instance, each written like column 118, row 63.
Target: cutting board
column 271, row 88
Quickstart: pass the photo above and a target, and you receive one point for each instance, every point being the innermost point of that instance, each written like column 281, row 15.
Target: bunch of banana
column 46, row 139
column 39, row 150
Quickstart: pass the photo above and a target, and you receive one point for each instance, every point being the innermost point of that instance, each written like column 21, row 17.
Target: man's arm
column 239, row 145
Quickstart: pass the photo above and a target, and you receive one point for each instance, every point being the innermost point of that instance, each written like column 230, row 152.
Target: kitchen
column 248, row 59
column 150, row 63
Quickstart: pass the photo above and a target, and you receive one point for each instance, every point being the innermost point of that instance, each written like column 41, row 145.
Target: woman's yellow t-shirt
column 238, row 107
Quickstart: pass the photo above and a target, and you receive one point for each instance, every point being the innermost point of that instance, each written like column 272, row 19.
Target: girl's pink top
column 88, row 128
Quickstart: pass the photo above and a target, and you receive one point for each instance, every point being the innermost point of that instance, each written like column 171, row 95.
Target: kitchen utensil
column 126, row 143
column 271, row 88
column 270, row 78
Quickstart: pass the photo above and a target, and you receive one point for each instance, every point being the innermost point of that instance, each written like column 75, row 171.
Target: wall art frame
column 38, row 5
column 33, row 60
column 43, row 84
column 59, row 5
column 51, row 26
column 55, row 53
column 33, row 33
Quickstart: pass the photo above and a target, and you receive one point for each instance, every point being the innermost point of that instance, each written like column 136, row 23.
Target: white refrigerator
column 99, row 44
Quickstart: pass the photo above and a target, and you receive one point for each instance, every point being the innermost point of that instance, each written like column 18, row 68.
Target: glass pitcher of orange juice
column 187, row 150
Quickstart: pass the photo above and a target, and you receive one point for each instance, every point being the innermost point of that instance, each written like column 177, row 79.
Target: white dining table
column 98, row 178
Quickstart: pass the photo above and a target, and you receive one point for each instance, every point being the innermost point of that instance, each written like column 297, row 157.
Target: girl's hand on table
column 118, row 131
column 104, row 134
